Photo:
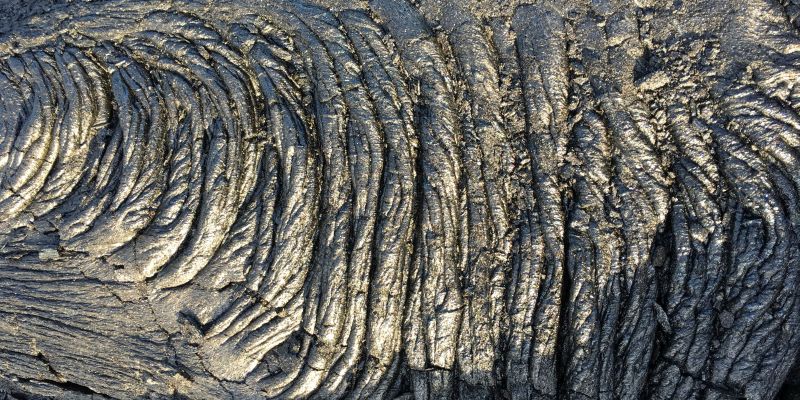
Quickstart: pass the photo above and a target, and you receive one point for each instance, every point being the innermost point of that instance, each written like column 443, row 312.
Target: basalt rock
column 253, row 199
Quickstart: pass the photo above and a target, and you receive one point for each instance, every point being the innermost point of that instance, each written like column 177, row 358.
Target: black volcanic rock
column 386, row 199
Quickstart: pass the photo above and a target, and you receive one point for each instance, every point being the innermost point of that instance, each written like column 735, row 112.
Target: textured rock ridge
column 394, row 199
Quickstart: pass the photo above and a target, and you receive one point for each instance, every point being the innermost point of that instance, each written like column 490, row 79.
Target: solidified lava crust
column 393, row 199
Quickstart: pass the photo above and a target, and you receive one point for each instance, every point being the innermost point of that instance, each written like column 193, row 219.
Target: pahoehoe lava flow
column 514, row 199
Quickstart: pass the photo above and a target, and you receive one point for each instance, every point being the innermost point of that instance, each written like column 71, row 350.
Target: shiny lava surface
column 395, row 199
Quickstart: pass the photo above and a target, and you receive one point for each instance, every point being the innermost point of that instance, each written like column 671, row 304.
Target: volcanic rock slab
column 589, row 199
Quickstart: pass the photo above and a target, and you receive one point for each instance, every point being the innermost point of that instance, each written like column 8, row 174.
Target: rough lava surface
column 581, row 199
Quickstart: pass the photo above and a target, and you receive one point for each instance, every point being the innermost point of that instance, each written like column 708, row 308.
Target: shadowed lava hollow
column 384, row 199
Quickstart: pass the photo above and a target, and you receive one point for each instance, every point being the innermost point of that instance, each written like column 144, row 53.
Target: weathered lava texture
column 590, row 199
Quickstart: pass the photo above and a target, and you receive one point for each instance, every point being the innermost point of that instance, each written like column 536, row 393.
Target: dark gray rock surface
column 587, row 199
